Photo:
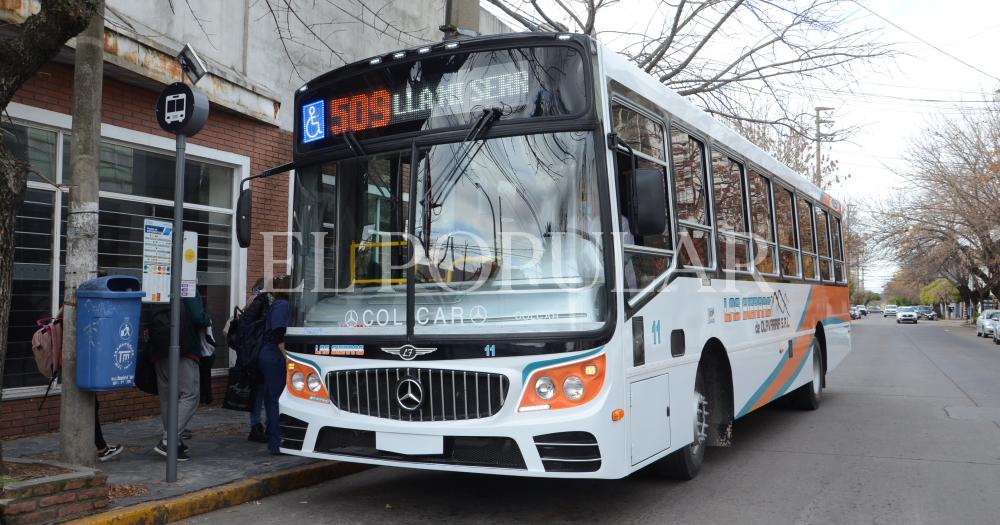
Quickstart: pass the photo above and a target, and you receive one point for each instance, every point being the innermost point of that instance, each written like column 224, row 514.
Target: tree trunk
column 24, row 49
column 12, row 175
column 76, row 410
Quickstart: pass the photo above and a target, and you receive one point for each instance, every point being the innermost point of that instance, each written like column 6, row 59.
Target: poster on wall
column 156, row 247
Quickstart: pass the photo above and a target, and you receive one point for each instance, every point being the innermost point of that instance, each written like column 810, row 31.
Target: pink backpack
column 46, row 344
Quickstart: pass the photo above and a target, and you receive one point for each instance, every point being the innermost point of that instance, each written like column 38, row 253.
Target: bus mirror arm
column 245, row 203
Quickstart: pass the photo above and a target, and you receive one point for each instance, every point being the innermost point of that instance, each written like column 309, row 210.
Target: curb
column 223, row 496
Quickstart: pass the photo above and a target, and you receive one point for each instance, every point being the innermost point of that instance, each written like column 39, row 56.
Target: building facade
column 258, row 54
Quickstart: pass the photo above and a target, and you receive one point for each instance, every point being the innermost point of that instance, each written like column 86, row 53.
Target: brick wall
column 54, row 498
column 132, row 107
column 22, row 417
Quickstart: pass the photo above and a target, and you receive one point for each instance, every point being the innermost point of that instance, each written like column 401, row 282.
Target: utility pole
column 818, row 176
column 76, row 407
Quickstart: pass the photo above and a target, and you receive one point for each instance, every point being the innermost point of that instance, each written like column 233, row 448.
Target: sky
column 890, row 101
column 895, row 102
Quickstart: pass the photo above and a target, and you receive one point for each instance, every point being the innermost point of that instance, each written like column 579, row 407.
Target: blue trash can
column 107, row 332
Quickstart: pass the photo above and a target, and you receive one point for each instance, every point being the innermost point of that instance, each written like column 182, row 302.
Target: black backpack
column 250, row 332
column 159, row 331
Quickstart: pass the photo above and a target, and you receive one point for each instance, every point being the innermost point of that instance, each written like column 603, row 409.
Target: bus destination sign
column 360, row 111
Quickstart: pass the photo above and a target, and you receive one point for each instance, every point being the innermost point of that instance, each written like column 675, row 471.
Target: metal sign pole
column 176, row 260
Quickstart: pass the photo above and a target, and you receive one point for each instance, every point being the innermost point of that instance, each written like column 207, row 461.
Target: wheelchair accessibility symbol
column 313, row 122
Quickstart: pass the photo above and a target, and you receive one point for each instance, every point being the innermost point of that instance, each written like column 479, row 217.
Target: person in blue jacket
column 272, row 358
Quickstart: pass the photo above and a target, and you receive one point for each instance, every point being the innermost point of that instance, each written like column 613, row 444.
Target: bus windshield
column 506, row 238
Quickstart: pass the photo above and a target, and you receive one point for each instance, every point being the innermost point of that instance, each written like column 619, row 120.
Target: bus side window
column 784, row 207
column 806, row 237
column 730, row 212
column 823, row 239
column 838, row 252
column 762, row 224
column 646, row 138
column 694, row 232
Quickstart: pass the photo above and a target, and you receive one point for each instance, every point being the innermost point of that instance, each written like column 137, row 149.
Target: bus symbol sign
column 176, row 105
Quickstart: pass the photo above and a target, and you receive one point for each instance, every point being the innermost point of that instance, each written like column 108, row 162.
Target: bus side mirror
column 243, row 218
column 650, row 202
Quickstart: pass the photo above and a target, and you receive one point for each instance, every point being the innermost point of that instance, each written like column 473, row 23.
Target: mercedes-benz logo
column 351, row 318
column 478, row 314
column 409, row 393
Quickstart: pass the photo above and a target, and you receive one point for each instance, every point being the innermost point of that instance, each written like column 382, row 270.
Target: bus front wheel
column 684, row 464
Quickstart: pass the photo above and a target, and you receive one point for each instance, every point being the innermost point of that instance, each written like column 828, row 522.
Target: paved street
column 909, row 432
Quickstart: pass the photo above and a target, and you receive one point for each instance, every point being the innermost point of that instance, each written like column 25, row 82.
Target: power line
column 936, row 48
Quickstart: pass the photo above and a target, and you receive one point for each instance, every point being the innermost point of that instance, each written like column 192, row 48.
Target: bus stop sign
column 181, row 109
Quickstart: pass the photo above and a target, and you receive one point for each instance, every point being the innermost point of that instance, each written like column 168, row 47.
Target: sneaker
column 185, row 434
column 257, row 434
column 182, row 455
column 109, row 453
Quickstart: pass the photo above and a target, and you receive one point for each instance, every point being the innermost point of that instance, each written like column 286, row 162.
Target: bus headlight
column 314, row 383
column 581, row 382
column 545, row 388
column 298, row 381
column 573, row 388
column 305, row 381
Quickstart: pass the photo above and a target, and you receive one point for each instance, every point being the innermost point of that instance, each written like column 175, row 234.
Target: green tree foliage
column 939, row 291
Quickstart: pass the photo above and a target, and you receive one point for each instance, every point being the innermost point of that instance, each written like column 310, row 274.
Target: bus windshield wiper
column 467, row 150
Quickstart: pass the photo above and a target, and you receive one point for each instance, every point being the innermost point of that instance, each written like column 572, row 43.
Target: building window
column 135, row 184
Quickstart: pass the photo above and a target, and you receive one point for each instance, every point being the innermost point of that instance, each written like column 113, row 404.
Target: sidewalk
column 220, row 455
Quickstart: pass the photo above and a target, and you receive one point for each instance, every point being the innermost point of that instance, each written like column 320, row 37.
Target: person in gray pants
column 193, row 318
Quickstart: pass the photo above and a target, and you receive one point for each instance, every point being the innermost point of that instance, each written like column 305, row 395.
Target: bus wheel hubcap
column 700, row 421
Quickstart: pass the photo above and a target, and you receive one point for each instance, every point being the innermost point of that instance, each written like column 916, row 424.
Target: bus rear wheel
column 684, row 464
column 808, row 396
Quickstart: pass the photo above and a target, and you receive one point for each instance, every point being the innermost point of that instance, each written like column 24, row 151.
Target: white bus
column 522, row 255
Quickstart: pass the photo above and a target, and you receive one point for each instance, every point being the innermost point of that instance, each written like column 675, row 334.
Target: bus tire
column 684, row 464
column 809, row 395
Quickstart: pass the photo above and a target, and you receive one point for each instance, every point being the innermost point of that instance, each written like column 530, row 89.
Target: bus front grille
column 418, row 394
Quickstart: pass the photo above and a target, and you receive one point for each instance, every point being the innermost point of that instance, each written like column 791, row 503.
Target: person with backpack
column 256, row 312
column 272, row 358
column 193, row 319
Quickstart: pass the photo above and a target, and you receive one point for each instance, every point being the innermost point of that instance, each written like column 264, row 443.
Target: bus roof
column 625, row 72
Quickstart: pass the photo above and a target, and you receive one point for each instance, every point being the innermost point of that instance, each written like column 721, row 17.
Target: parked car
column 863, row 309
column 987, row 322
column 855, row 313
column 926, row 312
column 875, row 309
column 890, row 311
column 906, row 314
column 996, row 336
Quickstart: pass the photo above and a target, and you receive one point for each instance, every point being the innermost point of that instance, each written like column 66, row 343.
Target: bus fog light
column 314, row 383
column 545, row 388
column 298, row 381
column 573, row 388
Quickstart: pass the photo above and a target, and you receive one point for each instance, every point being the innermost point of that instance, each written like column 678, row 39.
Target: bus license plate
column 409, row 444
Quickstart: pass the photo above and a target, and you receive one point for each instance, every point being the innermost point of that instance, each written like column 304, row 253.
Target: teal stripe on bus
column 545, row 364
column 767, row 382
